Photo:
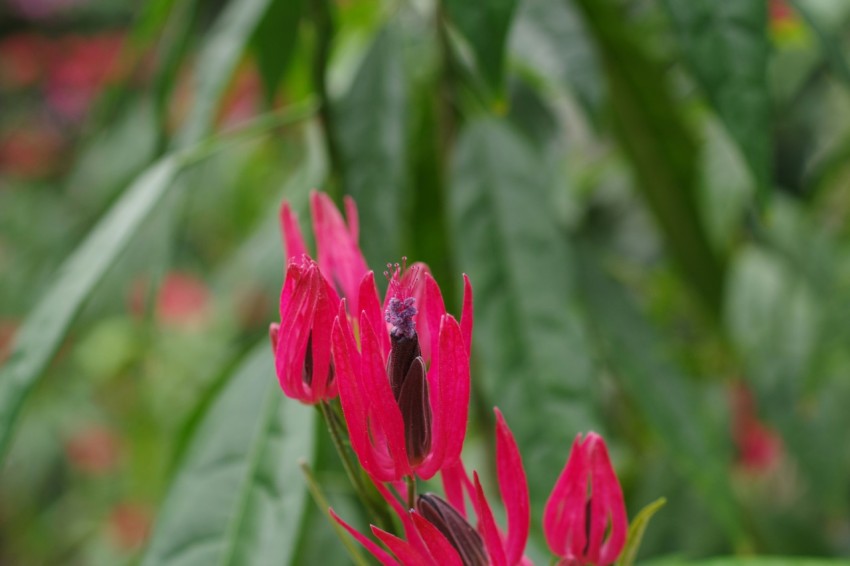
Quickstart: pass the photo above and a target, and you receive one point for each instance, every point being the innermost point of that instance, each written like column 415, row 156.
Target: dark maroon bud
column 416, row 412
column 454, row 527
column 404, row 351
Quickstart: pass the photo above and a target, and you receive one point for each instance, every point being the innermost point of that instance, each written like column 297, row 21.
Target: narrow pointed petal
column 487, row 526
column 298, row 304
column 410, row 530
column 376, row 551
column 606, row 488
column 370, row 304
column 327, row 305
column 440, row 548
column 466, row 317
column 402, row 549
column 451, row 411
column 274, row 329
column 293, row 241
column 354, row 406
column 453, row 477
column 435, row 310
column 383, row 410
column 353, row 218
column 564, row 515
column 339, row 256
column 514, row 489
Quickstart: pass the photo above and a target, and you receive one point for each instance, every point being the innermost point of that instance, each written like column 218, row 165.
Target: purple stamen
column 399, row 315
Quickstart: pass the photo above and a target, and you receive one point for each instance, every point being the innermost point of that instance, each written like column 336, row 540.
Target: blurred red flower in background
column 183, row 300
column 130, row 524
column 759, row 446
column 93, row 450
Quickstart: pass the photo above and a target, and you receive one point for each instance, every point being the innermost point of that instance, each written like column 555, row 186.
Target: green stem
column 324, row 507
column 411, row 491
column 376, row 507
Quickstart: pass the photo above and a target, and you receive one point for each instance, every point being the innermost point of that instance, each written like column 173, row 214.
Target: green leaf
column 221, row 53
column 668, row 400
column 274, row 42
column 726, row 46
column 238, row 497
column 485, row 25
column 528, row 337
column 550, row 38
column 636, row 530
column 660, row 147
column 371, row 124
column 41, row 334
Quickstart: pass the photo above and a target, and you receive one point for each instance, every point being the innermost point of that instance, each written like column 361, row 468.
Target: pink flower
column 759, row 446
column 301, row 342
column 585, row 517
column 402, row 417
column 309, row 300
column 437, row 531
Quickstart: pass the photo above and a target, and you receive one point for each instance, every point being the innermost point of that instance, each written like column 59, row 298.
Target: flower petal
column 610, row 504
column 402, row 549
column 298, row 305
column 383, row 410
column 454, row 476
column 466, row 317
column 371, row 305
column 354, row 406
column 487, row 526
column 327, row 305
column 564, row 515
column 293, row 241
column 376, row 551
column 514, row 489
column 439, row 546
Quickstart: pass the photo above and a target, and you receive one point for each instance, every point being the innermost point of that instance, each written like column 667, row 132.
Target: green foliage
column 521, row 265
column 237, row 497
column 650, row 198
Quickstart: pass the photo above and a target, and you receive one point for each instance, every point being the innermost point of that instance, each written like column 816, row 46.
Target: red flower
column 437, row 531
column 302, row 345
column 585, row 517
column 309, row 300
column 401, row 417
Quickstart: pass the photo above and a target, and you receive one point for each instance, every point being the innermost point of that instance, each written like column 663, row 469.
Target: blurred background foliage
column 650, row 196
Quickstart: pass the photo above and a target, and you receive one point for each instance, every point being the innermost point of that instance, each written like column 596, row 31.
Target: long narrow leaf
column 238, row 498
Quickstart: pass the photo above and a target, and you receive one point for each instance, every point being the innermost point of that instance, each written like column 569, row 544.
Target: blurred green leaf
column 371, row 122
column 726, row 46
column 549, row 37
column 659, row 145
column 42, row 332
column 274, row 42
column 238, row 496
column 224, row 46
column 666, row 398
column 636, row 529
column 818, row 16
column 529, row 339
column 748, row 561
column 485, row 25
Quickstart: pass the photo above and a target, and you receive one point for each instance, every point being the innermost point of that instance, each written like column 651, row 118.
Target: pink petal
column 403, row 550
column 466, row 317
column 354, row 407
column 435, row 310
column 409, row 528
column 297, row 310
column 564, row 515
column 373, row 548
column 514, row 489
column 452, row 409
column 293, row 241
column 453, row 477
column 440, row 548
column 611, row 506
column 339, row 256
column 370, row 304
column 353, row 218
column 383, row 410
column 487, row 526
column 327, row 306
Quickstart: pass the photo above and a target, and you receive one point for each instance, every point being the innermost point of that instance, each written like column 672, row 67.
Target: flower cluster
column 401, row 370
